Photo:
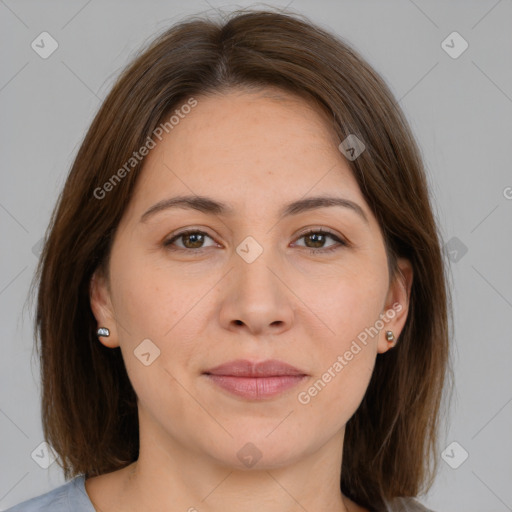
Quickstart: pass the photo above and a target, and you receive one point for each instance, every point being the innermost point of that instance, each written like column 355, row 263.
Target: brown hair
column 89, row 410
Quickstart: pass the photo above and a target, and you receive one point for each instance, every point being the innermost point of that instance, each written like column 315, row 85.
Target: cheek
column 346, row 353
column 150, row 299
column 151, row 304
column 336, row 390
column 352, row 302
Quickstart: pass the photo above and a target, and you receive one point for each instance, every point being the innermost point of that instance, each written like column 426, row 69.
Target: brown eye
column 315, row 240
column 191, row 239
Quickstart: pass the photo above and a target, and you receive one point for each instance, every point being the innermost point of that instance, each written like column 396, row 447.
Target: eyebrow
column 211, row 206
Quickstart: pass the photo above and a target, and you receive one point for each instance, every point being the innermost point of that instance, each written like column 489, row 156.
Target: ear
column 102, row 308
column 396, row 307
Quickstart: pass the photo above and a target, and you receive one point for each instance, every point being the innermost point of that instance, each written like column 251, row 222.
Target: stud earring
column 390, row 336
column 103, row 331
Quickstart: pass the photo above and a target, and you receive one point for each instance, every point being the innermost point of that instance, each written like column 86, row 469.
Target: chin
column 260, row 451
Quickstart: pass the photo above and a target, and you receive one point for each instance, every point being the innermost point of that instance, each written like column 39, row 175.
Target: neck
column 175, row 478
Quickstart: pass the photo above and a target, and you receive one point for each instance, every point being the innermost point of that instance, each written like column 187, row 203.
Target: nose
column 255, row 297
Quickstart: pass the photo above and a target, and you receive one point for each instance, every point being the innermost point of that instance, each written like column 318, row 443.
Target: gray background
column 460, row 110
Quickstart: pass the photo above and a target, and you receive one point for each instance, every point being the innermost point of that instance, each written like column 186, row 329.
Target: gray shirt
column 72, row 497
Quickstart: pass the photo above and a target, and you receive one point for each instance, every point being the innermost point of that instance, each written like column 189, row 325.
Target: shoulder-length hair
column 89, row 410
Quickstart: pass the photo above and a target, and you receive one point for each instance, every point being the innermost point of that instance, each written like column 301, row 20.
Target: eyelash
column 341, row 243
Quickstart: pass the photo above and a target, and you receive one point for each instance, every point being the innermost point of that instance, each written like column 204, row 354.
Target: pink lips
column 255, row 380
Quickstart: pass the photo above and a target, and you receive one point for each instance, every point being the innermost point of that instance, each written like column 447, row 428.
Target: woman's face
column 248, row 283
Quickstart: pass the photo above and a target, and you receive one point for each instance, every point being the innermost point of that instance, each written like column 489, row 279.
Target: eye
column 317, row 237
column 191, row 239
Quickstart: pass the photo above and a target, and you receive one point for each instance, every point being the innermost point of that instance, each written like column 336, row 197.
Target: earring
column 390, row 336
column 103, row 331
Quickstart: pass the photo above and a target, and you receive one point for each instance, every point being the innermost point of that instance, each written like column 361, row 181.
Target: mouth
column 253, row 380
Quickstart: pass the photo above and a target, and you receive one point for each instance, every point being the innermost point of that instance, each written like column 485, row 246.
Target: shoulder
column 68, row 497
column 406, row 505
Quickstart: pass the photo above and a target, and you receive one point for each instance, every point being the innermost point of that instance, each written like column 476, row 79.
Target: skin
column 256, row 151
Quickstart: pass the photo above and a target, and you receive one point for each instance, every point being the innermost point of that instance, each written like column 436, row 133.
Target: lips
column 245, row 368
column 255, row 381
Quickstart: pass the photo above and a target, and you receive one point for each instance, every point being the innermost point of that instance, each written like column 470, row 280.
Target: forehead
column 233, row 119
column 245, row 148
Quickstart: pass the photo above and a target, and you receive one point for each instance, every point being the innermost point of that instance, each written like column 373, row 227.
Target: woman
column 242, row 299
